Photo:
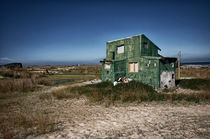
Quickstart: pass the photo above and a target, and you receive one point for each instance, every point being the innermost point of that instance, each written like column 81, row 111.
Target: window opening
column 107, row 66
column 120, row 49
column 133, row 67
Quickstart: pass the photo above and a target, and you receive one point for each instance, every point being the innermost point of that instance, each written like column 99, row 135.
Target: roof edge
column 151, row 42
column 124, row 38
column 132, row 37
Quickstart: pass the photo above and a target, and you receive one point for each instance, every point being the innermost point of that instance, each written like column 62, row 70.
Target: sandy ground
column 73, row 85
column 147, row 120
column 77, row 118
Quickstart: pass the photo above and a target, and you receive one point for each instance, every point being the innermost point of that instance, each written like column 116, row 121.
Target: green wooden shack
column 137, row 58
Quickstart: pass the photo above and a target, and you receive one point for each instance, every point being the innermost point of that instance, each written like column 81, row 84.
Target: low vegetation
column 131, row 92
column 21, row 85
column 20, row 81
column 195, row 84
column 27, row 78
column 24, row 123
column 21, row 115
column 195, row 72
column 84, row 70
column 19, row 120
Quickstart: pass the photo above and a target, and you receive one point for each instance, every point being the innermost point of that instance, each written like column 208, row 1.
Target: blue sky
column 76, row 31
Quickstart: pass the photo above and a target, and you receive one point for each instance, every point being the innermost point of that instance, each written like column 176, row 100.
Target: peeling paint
column 167, row 79
column 137, row 49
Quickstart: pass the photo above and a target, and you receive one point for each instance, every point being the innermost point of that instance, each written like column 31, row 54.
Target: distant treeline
column 12, row 65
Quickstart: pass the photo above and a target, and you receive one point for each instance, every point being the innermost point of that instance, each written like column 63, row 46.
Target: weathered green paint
column 136, row 49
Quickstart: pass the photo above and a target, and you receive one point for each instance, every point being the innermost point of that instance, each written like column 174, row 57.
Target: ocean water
column 196, row 64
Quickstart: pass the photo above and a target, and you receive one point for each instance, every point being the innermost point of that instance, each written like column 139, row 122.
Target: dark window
column 172, row 76
column 145, row 45
column 113, row 55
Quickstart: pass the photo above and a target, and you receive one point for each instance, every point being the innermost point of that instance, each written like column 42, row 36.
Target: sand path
column 80, row 119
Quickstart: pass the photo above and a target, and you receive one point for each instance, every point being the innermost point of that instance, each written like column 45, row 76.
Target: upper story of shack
column 131, row 47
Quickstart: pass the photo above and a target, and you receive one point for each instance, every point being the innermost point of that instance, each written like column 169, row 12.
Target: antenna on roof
column 179, row 61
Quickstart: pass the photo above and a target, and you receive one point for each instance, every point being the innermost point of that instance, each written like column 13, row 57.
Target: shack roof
column 124, row 38
column 152, row 57
column 106, row 61
column 132, row 37
column 151, row 42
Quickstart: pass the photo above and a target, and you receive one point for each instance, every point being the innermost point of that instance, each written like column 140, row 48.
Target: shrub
column 22, row 85
column 45, row 96
column 44, row 82
column 16, row 73
column 133, row 91
column 64, row 93
column 101, row 85
column 195, row 84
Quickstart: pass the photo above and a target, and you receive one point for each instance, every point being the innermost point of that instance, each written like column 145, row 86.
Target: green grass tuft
column 195, row 84
column 130, row 92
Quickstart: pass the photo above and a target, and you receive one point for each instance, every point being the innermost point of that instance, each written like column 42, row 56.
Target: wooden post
column 179, row 60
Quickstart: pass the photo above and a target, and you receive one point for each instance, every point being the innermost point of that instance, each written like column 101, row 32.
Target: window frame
column 118, row 49
column 135, row 67
column 105, row 66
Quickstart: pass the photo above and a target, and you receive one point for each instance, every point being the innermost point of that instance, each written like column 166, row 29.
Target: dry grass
column 31, row 119
column 195, row 72
column 131, row 120
column 18, row 73
column 21, row 85
column 132, row 92
column 85, row 70
column 21, row 124
column 64, row 93
column 18, row 120
column 20, row 117
column 20, row 80
column 45, row 96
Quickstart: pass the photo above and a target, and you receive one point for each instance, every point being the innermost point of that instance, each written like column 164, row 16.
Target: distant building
column 12, row 65
column 137, row 58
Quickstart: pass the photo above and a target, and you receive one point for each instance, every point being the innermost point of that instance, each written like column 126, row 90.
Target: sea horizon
column 72, row 63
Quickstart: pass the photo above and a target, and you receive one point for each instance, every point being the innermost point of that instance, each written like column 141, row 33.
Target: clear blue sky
column 72, row 31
